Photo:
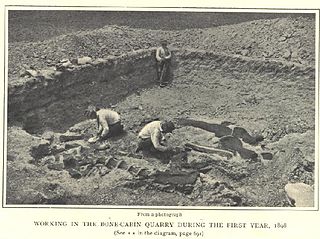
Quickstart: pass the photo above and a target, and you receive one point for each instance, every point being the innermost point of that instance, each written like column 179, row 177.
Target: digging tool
column 163, row 73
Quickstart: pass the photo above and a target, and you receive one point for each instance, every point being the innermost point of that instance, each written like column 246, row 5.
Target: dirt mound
column 30, row 26
column 289, row 39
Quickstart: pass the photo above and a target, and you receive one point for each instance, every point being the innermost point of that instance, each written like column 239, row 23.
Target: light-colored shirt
column 153, row 131
column 163, row 53
column 106, row 117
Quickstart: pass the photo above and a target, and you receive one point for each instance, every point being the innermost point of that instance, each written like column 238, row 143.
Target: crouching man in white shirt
column 109, row 123
column 151, row 139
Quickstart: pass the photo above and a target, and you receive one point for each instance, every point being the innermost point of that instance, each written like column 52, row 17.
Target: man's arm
column 104, row 127
column 99, row 127
column 168, row 56
column 158, row 54
column 105, row 131
column 155, row 139
column 99, row 130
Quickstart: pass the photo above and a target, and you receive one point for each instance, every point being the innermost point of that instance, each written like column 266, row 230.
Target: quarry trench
column 56, row 100
column 267, row 97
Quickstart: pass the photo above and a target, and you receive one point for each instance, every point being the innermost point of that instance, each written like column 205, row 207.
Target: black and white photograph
column 212, row 108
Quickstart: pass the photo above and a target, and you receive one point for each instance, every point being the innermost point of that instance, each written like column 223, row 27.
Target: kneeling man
column 151, row 137
column 109, row 123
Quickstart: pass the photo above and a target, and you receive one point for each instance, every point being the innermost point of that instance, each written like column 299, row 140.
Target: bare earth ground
column 282, row 110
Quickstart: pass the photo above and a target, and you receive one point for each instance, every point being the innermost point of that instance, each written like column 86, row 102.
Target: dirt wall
column 197, row 59
column 56, row 100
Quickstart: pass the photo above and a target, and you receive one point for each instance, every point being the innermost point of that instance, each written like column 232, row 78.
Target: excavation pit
column 207, row 86
column 57, row 102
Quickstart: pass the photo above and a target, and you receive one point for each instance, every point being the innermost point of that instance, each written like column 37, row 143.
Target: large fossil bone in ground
column 229, row 138
column 221, row 130
column 230, row 145
column 234, row 144
column 218, row 129
column 205, row 149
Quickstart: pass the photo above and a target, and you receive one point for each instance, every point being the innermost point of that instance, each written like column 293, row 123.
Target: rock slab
column 300, row 194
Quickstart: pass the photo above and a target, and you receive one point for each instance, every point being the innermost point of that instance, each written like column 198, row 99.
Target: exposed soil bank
column 56, row 100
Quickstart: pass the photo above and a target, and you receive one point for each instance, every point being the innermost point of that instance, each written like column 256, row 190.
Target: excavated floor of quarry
column 63, row 168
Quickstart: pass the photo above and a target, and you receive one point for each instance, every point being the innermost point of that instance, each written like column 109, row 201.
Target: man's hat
column 168, row 126
column 164, row 41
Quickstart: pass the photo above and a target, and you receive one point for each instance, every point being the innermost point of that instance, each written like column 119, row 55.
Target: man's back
column 109, row 116
column 150, row 128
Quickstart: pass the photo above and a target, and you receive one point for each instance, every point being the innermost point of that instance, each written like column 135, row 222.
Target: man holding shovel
column 163, row 56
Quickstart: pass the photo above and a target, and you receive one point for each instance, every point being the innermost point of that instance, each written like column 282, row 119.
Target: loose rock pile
column 71, row 152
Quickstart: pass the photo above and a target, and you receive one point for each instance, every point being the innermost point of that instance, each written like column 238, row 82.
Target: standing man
column 151, row 137
column 163, row 56
column 109, row 123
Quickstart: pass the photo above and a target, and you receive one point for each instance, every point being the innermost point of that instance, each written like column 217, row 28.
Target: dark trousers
column 163, row 68
column 114, row 130
column 147, row 146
